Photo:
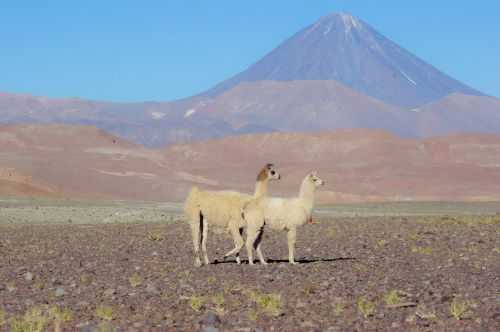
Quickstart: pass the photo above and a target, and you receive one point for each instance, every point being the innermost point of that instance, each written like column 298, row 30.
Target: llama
column 223, row 209
column 279, row 214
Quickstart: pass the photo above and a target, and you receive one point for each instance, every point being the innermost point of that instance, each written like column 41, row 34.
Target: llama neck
column 261, row 188
column 306, row 194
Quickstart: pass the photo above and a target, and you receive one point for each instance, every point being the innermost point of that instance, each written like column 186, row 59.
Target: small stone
column 151, row 289
column 307, row 324
column 82, row 324
column 424, row 313
column 395, row 325
column 410, row 319
column 209, row 329
column 60, row 292
column 210, row 319
column 28, row 276
column 83, row 304
column 109, row 292
column 300, row 304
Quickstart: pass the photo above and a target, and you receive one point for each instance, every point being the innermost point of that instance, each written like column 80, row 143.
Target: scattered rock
column 151, row 289
column 410, row 319
column 424, row 312
column 209, row 329
column 300, row 304
column 210, row 319
column 396, row 325
column 60, row 292
column 28, row 276
column 109, row 292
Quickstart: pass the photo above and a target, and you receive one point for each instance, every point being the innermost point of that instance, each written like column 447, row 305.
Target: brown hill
column 300, row 106
column 261, row 106
column 459, row 113
column 358, row 165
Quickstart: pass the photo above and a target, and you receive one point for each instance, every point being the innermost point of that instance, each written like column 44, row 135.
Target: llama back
column 219, row 207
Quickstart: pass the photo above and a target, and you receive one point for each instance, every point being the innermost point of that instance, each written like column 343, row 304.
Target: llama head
column 315, row 179
column 268, row 172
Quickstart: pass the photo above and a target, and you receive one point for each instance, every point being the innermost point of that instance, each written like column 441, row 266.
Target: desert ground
column 88, row 266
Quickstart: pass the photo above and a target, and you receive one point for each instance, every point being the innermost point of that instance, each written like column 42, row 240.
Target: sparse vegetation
column 422, row 250
column 365, row 307
column 338, row 308
column 219, row 302
column 211, row 280
column 331, row 231
column 85, row 279
column 33, row 320
column 196, row 303
column 135, row 280
column 155, row 236
column 458, row 308
column 105, row 312
column 392, row 298
column 413, row 236
column 3, row 318
column 253, row 315
column 381, row 243
column 309, row 289
column 105, row 327
column 60, row 316
column 269, row 304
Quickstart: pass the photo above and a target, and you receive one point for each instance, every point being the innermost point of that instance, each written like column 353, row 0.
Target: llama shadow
column 311, row 260
column 278, row 261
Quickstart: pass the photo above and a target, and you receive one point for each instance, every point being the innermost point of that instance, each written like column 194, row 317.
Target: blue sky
column 163, row 50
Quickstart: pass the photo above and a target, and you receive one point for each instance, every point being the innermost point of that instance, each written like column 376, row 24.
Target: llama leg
column 195, row 232
column 252, row 235
column 258, row 243
column 238, row 259
column 292, row 235
column 204, row 241
column 238, row 244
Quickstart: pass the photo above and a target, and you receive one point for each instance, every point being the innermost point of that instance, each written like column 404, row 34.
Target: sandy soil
column 356, row 274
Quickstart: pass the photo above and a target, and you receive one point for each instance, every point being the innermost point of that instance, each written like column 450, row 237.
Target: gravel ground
column 356, row 274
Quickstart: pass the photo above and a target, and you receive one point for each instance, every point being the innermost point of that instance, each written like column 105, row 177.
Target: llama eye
column 273, row 172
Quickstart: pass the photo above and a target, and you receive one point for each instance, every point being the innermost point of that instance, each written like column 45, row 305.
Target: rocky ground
column 438, row 273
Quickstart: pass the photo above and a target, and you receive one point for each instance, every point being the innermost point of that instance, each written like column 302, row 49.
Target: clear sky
column 162, row 50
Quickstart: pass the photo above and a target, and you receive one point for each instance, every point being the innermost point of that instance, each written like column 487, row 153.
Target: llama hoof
column 264, row 263
column 197, row 263
column 294, row 263
column 238, row 260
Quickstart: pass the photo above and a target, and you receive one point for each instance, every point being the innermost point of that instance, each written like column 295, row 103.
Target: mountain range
column 70, row 161
column 339, row 72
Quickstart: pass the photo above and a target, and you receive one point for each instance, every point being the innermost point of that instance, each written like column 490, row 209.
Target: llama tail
column 193, row 213
column 192, row 205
